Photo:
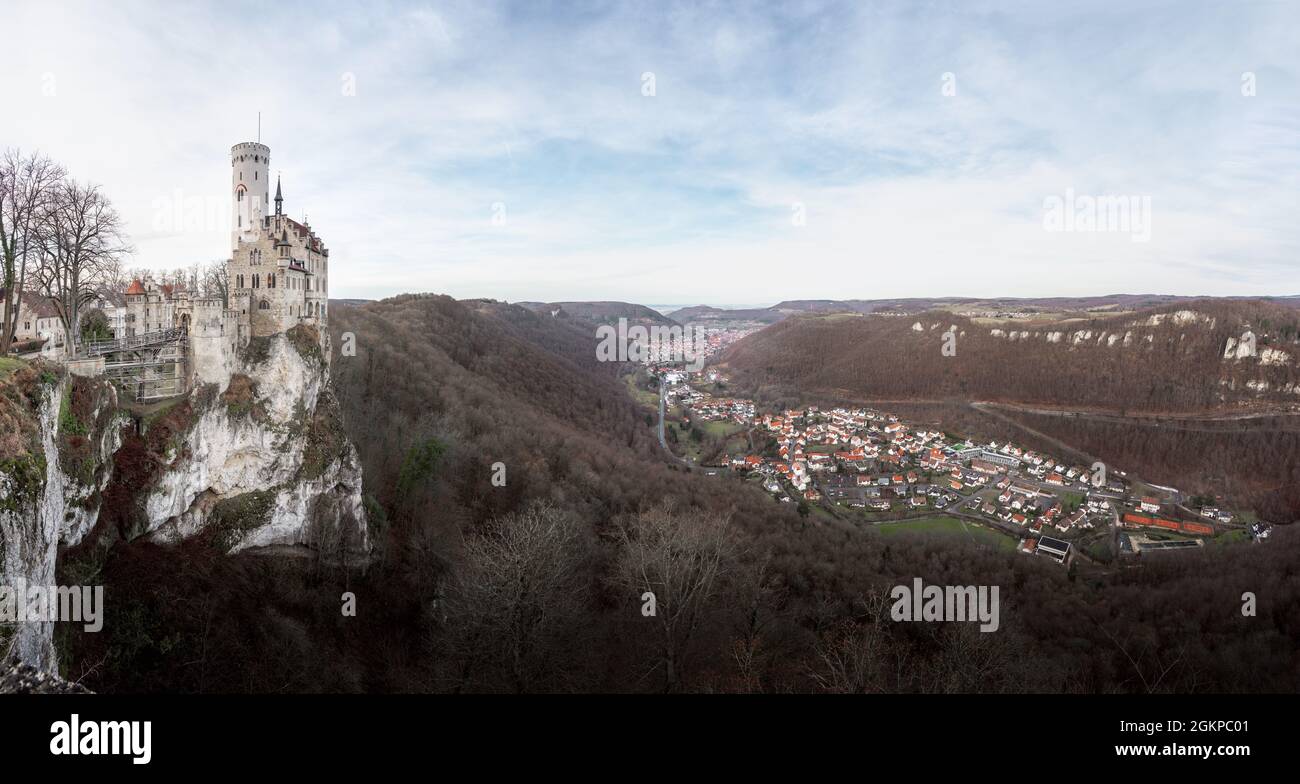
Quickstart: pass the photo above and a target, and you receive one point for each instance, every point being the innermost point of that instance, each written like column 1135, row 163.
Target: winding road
column 663, row 441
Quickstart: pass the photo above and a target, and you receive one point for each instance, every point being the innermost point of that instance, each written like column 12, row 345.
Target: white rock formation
column 267, row 463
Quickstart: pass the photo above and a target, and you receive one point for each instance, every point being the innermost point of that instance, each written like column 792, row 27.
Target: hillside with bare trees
column 539, row 583
column 1195, row 357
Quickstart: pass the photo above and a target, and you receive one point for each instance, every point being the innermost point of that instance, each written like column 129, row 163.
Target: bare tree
column 513, row 611
column 118, row 281
column 857, row 657
column 81, row 247
column 213, row 281
column 680, row 558
column 27, row 186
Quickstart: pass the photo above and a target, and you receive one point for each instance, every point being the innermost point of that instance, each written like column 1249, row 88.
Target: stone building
column 276, row 279
column 37, row 318
column 279, row 269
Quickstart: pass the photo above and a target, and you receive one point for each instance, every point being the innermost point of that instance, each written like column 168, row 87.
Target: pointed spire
column 279, row 198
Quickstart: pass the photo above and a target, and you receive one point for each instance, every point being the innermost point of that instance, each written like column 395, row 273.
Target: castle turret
column 278, row 269
column 250, row 163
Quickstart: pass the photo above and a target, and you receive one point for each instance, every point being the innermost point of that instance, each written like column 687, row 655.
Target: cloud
column 465, row 111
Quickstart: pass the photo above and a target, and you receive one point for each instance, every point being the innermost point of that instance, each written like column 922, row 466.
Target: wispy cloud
column 537, row 113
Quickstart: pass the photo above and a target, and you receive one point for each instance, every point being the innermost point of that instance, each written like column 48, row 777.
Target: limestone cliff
column 261, row 462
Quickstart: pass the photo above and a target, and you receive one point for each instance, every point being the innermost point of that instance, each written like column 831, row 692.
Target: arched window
column 263, row 305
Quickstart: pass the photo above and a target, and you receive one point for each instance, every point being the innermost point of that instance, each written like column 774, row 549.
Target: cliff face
column 266, row 462
column 31, row 509
column 263, row 462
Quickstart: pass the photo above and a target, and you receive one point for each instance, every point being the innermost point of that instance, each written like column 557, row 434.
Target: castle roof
column 136, row 287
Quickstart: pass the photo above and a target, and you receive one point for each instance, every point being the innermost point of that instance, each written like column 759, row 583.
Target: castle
column 278, row 274
column 277, row 278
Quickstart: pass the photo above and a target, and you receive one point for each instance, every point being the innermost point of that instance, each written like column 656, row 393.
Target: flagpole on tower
column 259, row 127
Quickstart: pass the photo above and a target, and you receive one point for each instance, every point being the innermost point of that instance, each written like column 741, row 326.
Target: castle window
column 257, row 281
column 263, row 305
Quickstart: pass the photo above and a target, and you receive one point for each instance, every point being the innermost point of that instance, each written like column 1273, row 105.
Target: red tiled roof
column 136, row 287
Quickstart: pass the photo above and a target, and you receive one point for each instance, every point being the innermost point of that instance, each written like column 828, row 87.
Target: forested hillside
column 600, row 312
column 1164, row 360
column 537, row 585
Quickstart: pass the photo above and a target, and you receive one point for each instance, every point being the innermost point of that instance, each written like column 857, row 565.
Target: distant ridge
column 1177, row 357
column 605, row 312
column 913, row 305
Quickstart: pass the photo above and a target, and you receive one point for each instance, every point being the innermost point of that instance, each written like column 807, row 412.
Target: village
column 872, row 468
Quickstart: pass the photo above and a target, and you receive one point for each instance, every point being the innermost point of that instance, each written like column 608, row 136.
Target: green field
column 1231, row 537
column 950, row 526
column 9, row 364
column 642, row 396
column 718, row 428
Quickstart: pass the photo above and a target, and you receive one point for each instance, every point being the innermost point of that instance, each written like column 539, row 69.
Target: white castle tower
column 250, row 187
column 278, row 274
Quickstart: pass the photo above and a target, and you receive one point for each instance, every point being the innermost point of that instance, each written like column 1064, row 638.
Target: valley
column 439, row 391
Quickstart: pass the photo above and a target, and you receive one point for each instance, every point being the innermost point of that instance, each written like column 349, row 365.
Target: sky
column 688, row 153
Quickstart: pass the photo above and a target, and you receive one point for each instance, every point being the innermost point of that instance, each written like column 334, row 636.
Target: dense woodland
column 537, row 585
column 1180, row 370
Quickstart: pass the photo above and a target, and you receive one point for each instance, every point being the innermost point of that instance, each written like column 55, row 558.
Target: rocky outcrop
column 266, row 462
column 263, row 461
column 31, row 510
column 26, row 679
